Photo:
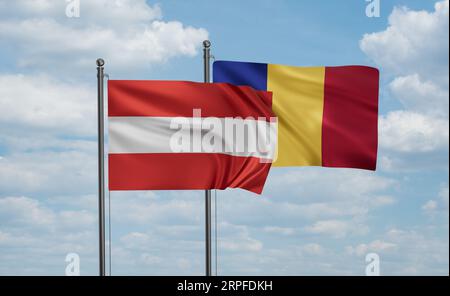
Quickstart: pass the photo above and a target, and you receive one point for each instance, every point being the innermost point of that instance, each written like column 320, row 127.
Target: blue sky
column 309, row 221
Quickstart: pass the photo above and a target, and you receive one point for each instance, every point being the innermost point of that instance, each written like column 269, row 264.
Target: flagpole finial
column 100, row 62
column 206, row 44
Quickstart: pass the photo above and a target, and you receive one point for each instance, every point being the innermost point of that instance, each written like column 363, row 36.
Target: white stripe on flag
column 234, row 136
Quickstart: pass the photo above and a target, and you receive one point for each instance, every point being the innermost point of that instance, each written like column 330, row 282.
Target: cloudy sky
column 309, row 221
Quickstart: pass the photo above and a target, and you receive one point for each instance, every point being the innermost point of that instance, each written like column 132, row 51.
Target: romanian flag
column 327, row 116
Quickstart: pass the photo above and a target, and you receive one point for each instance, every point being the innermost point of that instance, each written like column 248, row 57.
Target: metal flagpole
column 101, row 170
column 206, row 68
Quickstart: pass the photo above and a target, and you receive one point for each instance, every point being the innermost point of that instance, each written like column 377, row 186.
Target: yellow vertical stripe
column 298, row 95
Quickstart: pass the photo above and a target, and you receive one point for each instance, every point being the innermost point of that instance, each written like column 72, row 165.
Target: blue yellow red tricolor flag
column 327, row 116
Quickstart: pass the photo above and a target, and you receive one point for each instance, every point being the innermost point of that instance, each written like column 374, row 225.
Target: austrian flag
column 166, row 135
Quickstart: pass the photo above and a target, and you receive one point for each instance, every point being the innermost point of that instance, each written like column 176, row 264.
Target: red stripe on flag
column 350, row 118
column 175, row 171
column 179, row 98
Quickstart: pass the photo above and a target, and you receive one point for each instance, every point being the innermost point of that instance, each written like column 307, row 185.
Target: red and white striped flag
column 166, row 135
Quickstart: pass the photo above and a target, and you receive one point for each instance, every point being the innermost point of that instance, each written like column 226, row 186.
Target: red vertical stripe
column 350, row 118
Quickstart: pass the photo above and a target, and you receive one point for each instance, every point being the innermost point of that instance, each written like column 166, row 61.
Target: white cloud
column 377, row 246
column 345, row 184
column 241, row 245
column 330, row 203
column 381, row 201
column 280, row 230
column 10, row 240
column 150, row 259
column 294, row 198
column 35, row 238
column 150, row 207
column 158, row 252
column 420, row 96
column 44, row 37
column 313, row 249
column 336, row 228
column 24, row 211
column 429, row 206
column 48, row 126
column 42, row 103
column 53, row 172
column 237, row 238
column 135, row 239
column 76, row 219
column 444, row 196
column 406, row 131
column 418, row 252
column 115, row 11
column 413, row 51
column 439, row 205
column 414, row 42
column 31, row 213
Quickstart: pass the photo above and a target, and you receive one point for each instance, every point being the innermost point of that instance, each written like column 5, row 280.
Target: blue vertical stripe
column 241, row 73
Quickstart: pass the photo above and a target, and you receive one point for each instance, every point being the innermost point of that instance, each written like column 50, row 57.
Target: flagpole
column 101, row 171
column 206, row 72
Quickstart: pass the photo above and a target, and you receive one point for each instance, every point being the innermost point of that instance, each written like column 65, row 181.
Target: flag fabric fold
column 170, row 135
column 327, row 116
